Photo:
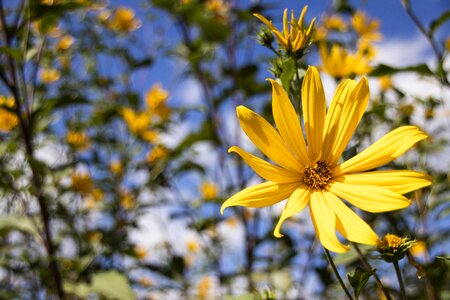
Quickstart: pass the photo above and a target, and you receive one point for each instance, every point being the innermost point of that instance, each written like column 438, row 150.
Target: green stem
column 333, row 266
column 400, row 279
column 369, row 268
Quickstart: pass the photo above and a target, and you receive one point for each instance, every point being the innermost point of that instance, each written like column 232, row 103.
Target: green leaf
column 109, row 284
column 444, row 17
column 16, row 222
column 359, row 279
column 12, row 52
column 382, row 70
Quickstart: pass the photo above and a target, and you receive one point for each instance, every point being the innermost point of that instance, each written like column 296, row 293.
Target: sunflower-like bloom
column 310, row 173
column 366, row 28
column 294, row 36
column 341, row 64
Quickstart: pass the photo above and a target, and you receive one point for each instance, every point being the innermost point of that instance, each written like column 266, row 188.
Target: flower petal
column 369, row 198
column 287, row 122
column 324, row 220
column 386, row 149
column 266, row 138
column 314, row 105
column 345, row 112
column 266, row 170
column 349, row 224
column 399, row 181
column 296, row 203
column 260, row 195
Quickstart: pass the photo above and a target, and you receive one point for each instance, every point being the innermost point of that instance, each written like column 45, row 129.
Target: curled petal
column 296, row 203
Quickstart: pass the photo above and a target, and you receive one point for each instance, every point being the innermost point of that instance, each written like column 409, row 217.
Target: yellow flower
column 115, row 167
column 127, row 199
column 310, row 173
column 140, row 252
column 159, row 152
column 419, row 248
column 334, row 22
column 97, row 194
column 137, row 122
column 124, row 20
column 8, row 120
column 192, row 246
column 366, row 28
column 156, row 99
column 50, row 75
column 94, row 236
column 294, row 36
column 77, row 140
column 203, row 288
column 219, row 8
column 82, row 183
column 385, row 83
column 144, row 281
column 340, row 64
column 447, row 44
column 65, row 42
column 150, row 136
column 209, row 190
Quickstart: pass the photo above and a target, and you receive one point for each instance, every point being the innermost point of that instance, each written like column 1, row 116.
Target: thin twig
column 400, row 279
column 333, row 266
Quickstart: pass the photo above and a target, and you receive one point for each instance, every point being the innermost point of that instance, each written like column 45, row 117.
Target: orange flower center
column 317, row 175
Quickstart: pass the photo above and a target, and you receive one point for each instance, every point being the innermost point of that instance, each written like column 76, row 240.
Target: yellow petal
column 266, row 170
column 266, row 138
column 302, row 16
column 386, row 149
column 399, row 181
column 324, row 220
column 313, row 101
column 369, row 198
column 265, row 21
column 345, row 116
column 287, row 122
column 296, row 203
column 349, row 224
column 260, row 195
column 285, row 23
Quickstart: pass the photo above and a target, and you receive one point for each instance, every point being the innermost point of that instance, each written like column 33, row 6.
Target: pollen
column 391, row 241
column 317, row 175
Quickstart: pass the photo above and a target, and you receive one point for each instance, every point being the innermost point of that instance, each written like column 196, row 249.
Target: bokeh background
column 116, row 118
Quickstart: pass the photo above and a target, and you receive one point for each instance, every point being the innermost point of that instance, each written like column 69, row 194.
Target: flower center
column 317, row 175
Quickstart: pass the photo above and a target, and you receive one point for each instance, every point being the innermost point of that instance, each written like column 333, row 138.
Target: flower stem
column 333, row 266
column 400, row 279
column 369, row 267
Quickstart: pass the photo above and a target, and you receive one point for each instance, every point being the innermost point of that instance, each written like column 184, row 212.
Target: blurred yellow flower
column 115, row 166
column 310, row 173
column 50, row 75
column 8, row 119
column 78, row 140
column 156, row 99
column 231, row 222
column 447, row 44
column 97, row 194
column 334, row 22
column 366, row 28
column 145, row 282
column 65, row 42
column 126, row 199
column 150, row 136
column 385, row 83
column 419, row 248
column 158, row 153
column 340, row 64
column 82, row 182
column 140, row 252
column 94, row 236
column 204, row 288
column 124, row 20
column 137, row 122
column 209, row 190
column 192, row 246
column 294, row 37
column 219, row 8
